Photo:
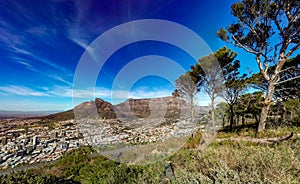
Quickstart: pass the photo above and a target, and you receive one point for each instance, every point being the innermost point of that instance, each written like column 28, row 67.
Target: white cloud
column 78, row 95
column 40, row 59
column 146, row 93
column 21, row 48
column 21, row 90
column 27, row 65
column 67, row 91
column 58, row 78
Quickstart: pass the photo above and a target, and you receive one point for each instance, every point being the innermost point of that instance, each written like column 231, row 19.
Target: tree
column 186, row 90
column 292, row 107
column 251, row 104
column 288, row 84
column 211, row 73
column 269, row 29
column 222, row 111
column 210, row 80
column 234, row 89
column 234, row 82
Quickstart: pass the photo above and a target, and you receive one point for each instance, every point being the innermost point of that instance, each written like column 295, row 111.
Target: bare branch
column 286, row 69
column 292, row 50
column 252, row 29
column 287, row 80
column 276, row 50
column 284, row 89
column 277, row 24
column 258, row 60
column 295, row 33
column 243, row 47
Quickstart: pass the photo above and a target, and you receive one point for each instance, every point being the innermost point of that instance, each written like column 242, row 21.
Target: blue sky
column 41, row 43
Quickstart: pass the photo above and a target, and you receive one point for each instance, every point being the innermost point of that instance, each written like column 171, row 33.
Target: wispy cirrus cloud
column 80, row 95
column 21, row 91
column 100, row 92
column 44, row 71
column 25, row 31
column 84, row 28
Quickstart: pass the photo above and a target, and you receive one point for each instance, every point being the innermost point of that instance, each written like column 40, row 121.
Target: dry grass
column 242, row 161
column 221, row 162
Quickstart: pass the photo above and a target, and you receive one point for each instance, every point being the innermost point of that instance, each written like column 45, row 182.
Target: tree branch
column 243, row 47
column 286, row 69
column 287, row 80
column 277, row 23
column 292, row 50
column 262, row 71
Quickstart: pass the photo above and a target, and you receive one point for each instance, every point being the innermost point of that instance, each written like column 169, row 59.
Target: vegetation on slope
column 226, row 161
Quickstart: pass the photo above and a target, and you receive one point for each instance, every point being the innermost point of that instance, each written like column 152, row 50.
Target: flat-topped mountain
column 168, row 107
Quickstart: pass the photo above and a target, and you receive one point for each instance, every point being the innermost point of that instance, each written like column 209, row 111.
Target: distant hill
column 168, row 107
column 24, row 114
column 60, row 116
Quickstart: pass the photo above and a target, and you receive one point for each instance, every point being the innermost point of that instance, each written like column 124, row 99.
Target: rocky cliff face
column 105, row 109
column 168, row 107
column 98, row 106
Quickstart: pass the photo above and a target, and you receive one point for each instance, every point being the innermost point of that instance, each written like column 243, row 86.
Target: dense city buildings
column 29, row 141
column 33, row 143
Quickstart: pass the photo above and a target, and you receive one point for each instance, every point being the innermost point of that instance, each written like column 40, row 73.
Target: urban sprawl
column 38, row 143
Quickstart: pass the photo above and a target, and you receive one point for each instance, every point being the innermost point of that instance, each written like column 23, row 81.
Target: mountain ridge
column 168, row 107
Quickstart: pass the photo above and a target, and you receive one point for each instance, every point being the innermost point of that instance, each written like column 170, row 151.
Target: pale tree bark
column 231, row 116
column 266, row 106
column 192, row 110
column 213, row 111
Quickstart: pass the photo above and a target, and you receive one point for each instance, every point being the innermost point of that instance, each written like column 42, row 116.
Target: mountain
column 24, row 114
column 168, row 107
column 98, row 106
column 60, row 116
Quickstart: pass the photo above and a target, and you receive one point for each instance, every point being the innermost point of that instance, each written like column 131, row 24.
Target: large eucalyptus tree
column 269, row 29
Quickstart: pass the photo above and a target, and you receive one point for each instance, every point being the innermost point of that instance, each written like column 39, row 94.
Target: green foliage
column 258, row 16
column 293, row 105
column 30, row 178
column 107, row 171
column 193, row 141
column 186, row 88
column 217, row 74
column 71, row 163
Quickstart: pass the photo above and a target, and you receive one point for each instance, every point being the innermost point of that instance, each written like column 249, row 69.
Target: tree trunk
column 213, row 112
column 231, row 116
column 192, row 110
column 255, row 118
column 284, row 113
column 243, row 120
column 223, row 121
column 266, row 106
